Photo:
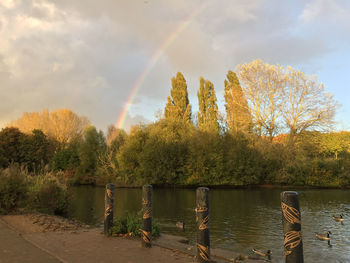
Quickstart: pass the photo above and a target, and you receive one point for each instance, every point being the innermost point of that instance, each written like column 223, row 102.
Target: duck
column 180, row 225
column 323, row 236
column 338, row 218
column 263, row 254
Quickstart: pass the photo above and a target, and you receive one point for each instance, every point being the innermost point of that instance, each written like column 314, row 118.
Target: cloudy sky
column 89, row 55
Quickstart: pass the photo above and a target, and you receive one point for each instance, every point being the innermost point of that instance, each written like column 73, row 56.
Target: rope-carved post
column 109, row 200
column 146, row 230
column 291, row 220
column 202, row 218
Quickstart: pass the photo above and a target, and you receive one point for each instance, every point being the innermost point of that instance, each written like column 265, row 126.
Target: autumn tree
column 178, row 106
column 306, row 104
column 237, row 111
column 62, row 125
column 263, row 87
column 208, row 109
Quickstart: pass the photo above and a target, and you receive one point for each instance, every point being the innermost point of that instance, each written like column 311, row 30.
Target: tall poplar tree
column 238, row 115
column 208, row 109
column 178, row 106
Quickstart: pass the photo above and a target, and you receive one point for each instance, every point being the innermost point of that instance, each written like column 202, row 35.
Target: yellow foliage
column 62, row 125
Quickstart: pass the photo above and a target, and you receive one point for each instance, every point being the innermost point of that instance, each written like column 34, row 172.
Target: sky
column 112, row 60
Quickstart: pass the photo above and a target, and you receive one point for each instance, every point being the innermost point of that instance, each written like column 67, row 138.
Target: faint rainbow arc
column 153, row 61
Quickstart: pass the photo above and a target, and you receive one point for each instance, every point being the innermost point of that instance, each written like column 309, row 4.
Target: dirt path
column 43, row 238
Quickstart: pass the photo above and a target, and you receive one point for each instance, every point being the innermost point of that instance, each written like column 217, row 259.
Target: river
column 240, row 219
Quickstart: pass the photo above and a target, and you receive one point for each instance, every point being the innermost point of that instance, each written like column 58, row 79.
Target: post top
column 289, row 193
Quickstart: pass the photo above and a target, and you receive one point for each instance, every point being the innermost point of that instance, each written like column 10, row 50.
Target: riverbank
column 45, row 238
column 252, row 186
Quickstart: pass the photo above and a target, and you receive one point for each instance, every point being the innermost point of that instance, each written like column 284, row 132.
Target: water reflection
column 239, row 219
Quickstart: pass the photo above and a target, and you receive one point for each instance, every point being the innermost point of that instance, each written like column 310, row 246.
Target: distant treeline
column 170, row 153
column 270, row 134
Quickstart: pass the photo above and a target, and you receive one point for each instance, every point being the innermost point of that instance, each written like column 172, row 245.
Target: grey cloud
column 87, row 55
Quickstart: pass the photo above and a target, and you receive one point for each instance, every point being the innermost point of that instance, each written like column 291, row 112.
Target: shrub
column 131, row 224
column 13, row 188
column 48, row 193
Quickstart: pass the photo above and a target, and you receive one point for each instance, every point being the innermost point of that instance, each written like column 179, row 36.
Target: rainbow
column 154, row 59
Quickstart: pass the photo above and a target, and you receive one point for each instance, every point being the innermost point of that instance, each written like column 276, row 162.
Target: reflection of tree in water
column 173, row 205
column 127, row 201
column 87, row 204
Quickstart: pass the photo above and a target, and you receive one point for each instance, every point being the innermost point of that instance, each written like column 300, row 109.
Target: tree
column 62, row 125
column 208, row 109
column 37, row 150
column 306, row 104
column 116, row 138
column 263, row 87
column 89, row 150
column 10, row 144
column 32, row 150
column 238, row 115
column 178, row 106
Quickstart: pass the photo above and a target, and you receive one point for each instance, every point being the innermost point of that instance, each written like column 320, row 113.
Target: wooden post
column 146, row 230
column 291, row 220
column 202, row 219
column 109, row 201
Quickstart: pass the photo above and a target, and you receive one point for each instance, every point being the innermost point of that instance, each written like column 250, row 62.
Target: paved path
column 14, row 248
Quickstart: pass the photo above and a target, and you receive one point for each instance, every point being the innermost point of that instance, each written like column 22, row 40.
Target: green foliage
column 131, row 224
column 37, row 150
column 91, row 147
column 208, row 109
column 20, row 189
column 238, row 116
column 48, row 193
column 108, row 169
column 33, row 151
column 178, row 106
column 11, row 144
column 14, row 183
column 129, row 156
column 66, row 159
column 156, row 154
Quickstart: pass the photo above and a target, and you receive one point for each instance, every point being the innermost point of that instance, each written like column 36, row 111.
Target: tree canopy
column 238, row 116
column 63, row 125
column 208, row 109
column 178, row 106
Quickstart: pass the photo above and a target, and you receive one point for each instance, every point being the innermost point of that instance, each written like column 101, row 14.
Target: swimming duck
column 338, row 218
column 180, row 225
column 323, row 236
column 263, row 254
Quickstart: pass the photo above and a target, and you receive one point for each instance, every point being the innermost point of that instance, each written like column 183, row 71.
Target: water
column 240, row 219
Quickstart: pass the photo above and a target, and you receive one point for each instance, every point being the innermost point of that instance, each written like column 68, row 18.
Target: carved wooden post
column 202, row 218
column 146, row 230
column 109, row 200
column 291, row 220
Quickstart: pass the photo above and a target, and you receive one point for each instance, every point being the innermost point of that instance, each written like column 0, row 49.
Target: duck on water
column 324, row 236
